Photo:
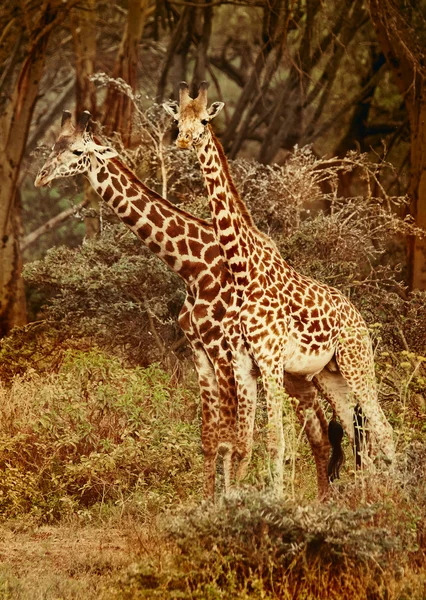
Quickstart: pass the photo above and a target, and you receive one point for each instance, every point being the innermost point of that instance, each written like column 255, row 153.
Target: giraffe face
column 192, row 116
column 73, row 153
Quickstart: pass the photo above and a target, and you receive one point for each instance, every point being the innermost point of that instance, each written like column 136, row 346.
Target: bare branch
column 32, row 237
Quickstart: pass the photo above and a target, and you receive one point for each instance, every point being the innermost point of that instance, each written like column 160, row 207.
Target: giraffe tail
column 337, row 458
column 360, row 434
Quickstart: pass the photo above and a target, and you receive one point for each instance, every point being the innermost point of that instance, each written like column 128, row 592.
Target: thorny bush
column 252, row 545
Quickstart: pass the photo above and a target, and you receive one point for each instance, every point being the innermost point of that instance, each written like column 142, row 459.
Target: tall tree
column 39, row 21
column 400, row 29
column 83, row 27
column 118, row 107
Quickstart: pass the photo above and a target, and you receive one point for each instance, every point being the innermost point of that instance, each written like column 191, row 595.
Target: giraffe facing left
column 188, row 246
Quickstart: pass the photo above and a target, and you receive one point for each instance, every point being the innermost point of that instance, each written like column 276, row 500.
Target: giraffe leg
column 344, row 398
column 312, row 419
column 227, row 394
column 210, row 418
column 337, row 392
column 246, row 381
column 273, row 383
column 362, row 382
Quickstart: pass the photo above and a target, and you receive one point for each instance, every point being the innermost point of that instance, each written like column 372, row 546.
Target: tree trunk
column 14, row 126
column 417, row 190
column 276, row 18
column 177, row 50
column 202, row 33
column 84, row 36
column 406, row 60
column 118, row 107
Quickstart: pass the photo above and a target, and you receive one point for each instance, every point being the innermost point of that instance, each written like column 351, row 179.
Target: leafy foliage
column 95, row 434
column 112, row 291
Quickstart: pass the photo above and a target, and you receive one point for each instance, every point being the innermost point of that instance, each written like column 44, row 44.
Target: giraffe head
column 192, row 115
column 73, row 152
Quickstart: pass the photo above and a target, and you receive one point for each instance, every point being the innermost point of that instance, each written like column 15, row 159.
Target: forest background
column 325, row 128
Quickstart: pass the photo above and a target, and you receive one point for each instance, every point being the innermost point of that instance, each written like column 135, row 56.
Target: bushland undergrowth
column 251, row 545
column 94, row 436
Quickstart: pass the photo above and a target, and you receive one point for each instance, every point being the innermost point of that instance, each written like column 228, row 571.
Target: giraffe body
column 188, row 246
column 287, row 322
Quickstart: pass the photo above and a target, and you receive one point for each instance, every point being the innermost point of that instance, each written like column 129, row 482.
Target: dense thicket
column 336, row 75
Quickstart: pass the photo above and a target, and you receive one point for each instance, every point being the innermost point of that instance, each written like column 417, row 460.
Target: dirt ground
column 58, row 563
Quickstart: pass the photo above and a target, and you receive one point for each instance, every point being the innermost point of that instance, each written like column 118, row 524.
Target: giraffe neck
column 234, row 226
column 185, row 243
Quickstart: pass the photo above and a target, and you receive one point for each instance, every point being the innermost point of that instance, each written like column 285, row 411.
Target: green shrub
column 96, row 434
column 114, row 291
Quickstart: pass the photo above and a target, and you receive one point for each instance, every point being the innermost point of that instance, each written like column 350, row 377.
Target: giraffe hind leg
column 337, row 392
column 360, row 434
column 312, row 419
column 337, row 457
column 377, row 440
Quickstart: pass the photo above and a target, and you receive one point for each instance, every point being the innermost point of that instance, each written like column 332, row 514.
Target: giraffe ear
column 215, row 109
column 172, row 108
column 101, row 151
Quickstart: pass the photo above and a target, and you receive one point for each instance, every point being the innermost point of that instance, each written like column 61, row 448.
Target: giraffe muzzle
column 41, row 179
column 184, row 141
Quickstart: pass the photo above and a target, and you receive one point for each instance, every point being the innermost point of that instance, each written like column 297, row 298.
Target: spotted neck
column 185, row 243
column 235, row 230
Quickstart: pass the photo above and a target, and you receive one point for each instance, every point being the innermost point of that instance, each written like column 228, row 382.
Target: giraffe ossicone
column 289, row 323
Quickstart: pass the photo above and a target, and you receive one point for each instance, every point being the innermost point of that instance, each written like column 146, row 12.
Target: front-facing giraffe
column 188, row 246
column 290, row 323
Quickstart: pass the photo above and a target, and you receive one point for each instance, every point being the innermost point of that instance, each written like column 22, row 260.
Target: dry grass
column 61, row 562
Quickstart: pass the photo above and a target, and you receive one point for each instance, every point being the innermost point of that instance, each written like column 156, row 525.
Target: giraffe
column 188, row 246
column 291, row 324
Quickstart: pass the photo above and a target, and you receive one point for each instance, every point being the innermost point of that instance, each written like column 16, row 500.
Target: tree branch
column 32, row 237
column 50, row 117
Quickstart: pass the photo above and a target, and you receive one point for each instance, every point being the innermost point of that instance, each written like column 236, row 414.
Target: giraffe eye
column 204, row 121
column 77, row 152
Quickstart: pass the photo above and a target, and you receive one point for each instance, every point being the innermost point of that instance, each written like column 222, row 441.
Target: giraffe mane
column 241, row 204
column 225, row 165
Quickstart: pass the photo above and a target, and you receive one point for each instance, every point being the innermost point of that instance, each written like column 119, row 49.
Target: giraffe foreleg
column 228, row 406
column 273, row 383
column 246, row 382
column 210, row 414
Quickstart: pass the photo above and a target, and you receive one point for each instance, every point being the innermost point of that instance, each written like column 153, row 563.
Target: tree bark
column 84, row 36
column 83, row 27
column 14, row 126
column 407, row 62
column 417, row 189
column 176, row 57
column 276, row 19
column 118, row 107
column 202, row 33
